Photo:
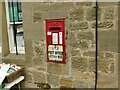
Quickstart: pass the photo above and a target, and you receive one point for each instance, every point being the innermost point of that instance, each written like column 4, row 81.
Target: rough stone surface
column 91, row 16
column 78, row 72
column 85, row 36
column 89, row 53
column 109, row 13
column 79, row 26
column 53, row 80
column 79, row 64
column 66, row 82
column 58, row 69
column 103, row 25
column 76, row 14
column 39, row 77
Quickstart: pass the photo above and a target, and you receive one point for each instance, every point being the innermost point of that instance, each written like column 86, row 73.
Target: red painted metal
column 55, row 26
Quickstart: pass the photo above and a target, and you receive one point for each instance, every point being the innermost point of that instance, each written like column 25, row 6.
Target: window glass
column 16, row 7
column 20, row 36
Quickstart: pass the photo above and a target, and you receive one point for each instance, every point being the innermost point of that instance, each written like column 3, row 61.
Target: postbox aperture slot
column 55, row 28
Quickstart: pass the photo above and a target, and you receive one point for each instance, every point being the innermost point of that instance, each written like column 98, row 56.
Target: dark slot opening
column 55, row 28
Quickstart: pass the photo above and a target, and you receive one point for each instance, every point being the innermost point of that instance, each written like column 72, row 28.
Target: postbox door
column 55, row 40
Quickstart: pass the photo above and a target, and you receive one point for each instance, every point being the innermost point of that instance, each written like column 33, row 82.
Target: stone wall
column 79, row 69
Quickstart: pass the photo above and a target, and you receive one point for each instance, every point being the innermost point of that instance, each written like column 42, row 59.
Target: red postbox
column 55, row 40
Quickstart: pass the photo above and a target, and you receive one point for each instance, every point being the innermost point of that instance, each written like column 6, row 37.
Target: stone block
column 79, row 64
column 83, row 45
column 103, row 25
column 71, row 37
column 112, row 68
column 75, row 52
column 38, row 77
column 91, row 64
column 91, row 14
column 75, row 44
column 58, row 68
column 109, row 13
column 108, row 41
column 101, row 55
column 103, row 65
column 107, row 80
column 107, row 4
column 55, row 14
column 66, row 82
column 85, row 36
column 81, row 84
column 28, row 77
column 53, row 80
column 109, row 55
column 89, row 53
column 39, row 61
column 28, row 85
column 76, row 14
column 79, row 26
column 37, row 17
column 85, row 4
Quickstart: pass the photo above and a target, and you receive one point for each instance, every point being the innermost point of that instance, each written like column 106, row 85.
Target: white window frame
column 12, row 48
column 0, row 49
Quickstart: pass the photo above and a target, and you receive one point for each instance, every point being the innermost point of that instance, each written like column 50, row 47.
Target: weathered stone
column 83, row 45
column 39, row 61
column 28, row 77
column 108, row 41
column 76, row 14
column 79, row 64
column 109, row 13
column 79, row 16
column 101, row 55
column 37, row 17
column 87, row 76
column 81, row 84
column 79, row 26
column 41, row 68
column 89, row 53
column 75, row 44
column 72, row 40
column 85, row 36
column 103, row 25
column 58, row 68
column 53, row 80
column 38, row 77
column 65, row 82
column 43, row 85
column 71, row 37
column 103, row 65
column 109, row 55
column 86, row 4
column 112, row 68
column 92, row 64
column 107, row 80
column 91, row 15
column 75, row 52
column 66, row 88
column 107, row 4
column 28, row 85
column 52, row 6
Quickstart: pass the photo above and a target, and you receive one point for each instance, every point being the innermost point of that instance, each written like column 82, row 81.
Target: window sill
column 16, row 23
column 14, row 59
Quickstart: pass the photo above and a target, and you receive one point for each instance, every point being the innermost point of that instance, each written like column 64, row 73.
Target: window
column 15, row 26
